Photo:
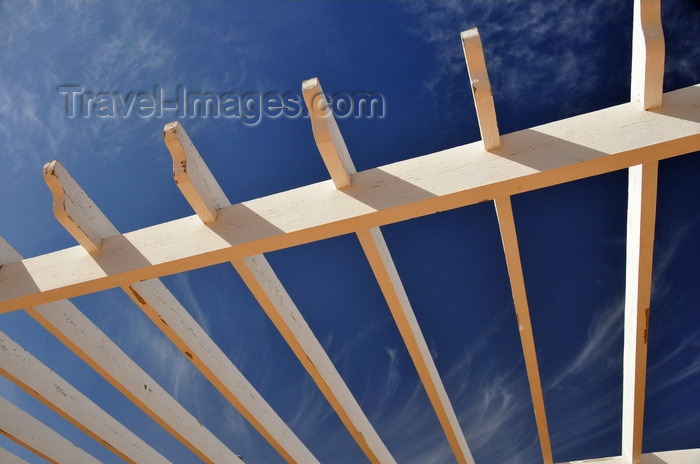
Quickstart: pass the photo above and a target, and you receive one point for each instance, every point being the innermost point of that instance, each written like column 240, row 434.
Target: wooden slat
column 274, row 299
column 578, row 147
column 177, row 324
column 648, row 54
column 75, row 210
column 263, row 283
column 332, row 147
column 327, row 135
column 42, row 383
column 78, row 333
column 481, row 88
column 687, row 456
column 382, row 264
column 372, row 241
column 9, row 458
column 191, row 175
column 41, row 440
column 506, row 222
column 641, row 221
column 172, row 318
column 93, row 346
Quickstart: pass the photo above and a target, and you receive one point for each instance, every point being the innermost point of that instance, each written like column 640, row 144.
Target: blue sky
column 547, row 60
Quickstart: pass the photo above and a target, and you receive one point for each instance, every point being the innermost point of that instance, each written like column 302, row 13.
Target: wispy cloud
column 549, row 51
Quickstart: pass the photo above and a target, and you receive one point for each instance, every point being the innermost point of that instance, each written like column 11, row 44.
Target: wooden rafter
column 32, row 376
column 10, row 458
column 158, row 303
column 72, row 328
column 180, row 327
column 481, row 88
column 493, row 169
column 274, row 299
column 506, row 222
column 641, row 221
column 582, row 146
column 382, row 265
column 332, row 147
column 258, row 275
column 329, row 141
column 38, row 438
column 648, row 53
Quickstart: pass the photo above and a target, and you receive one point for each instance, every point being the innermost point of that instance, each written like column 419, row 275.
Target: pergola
column 653, row 126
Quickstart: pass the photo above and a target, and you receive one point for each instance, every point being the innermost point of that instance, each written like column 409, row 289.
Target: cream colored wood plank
column 176, row 323
column 90, row 344
column 481, row 88
column 75, row 210
column 387, row 276
column 41, row 440
column 688, row 456
column 274, row 299
column 9, row 458
column 191, row 174
column 648, row 54
column 154, row 298
column 327, row 135
column 506, row 222
column 578, row 147
column 38, row 380
column 641, row 221
column 86, row 340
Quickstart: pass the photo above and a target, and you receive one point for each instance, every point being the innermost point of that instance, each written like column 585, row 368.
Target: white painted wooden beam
column 42, row 383
column 78, row 333
column 268, row 290
column 330, row 144
column 173, row 319
column 10, row 458
column 506, row 222
column 582, row 146
column 274, row 299
column 687, row 456
column 41, row 440
column 648, row 54
column 191, row 174
column 75, row 210
column 327, row 135
column 89, row 343
column 387, row 276
column 175, row 322
column 641, row 222
column 481, row 88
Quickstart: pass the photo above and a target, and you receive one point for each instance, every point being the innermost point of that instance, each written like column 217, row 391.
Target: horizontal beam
column 509, row 236
column 688, row 456
column 574, row 148
column 25, row 430
column 35, row 378
column 387, row 276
